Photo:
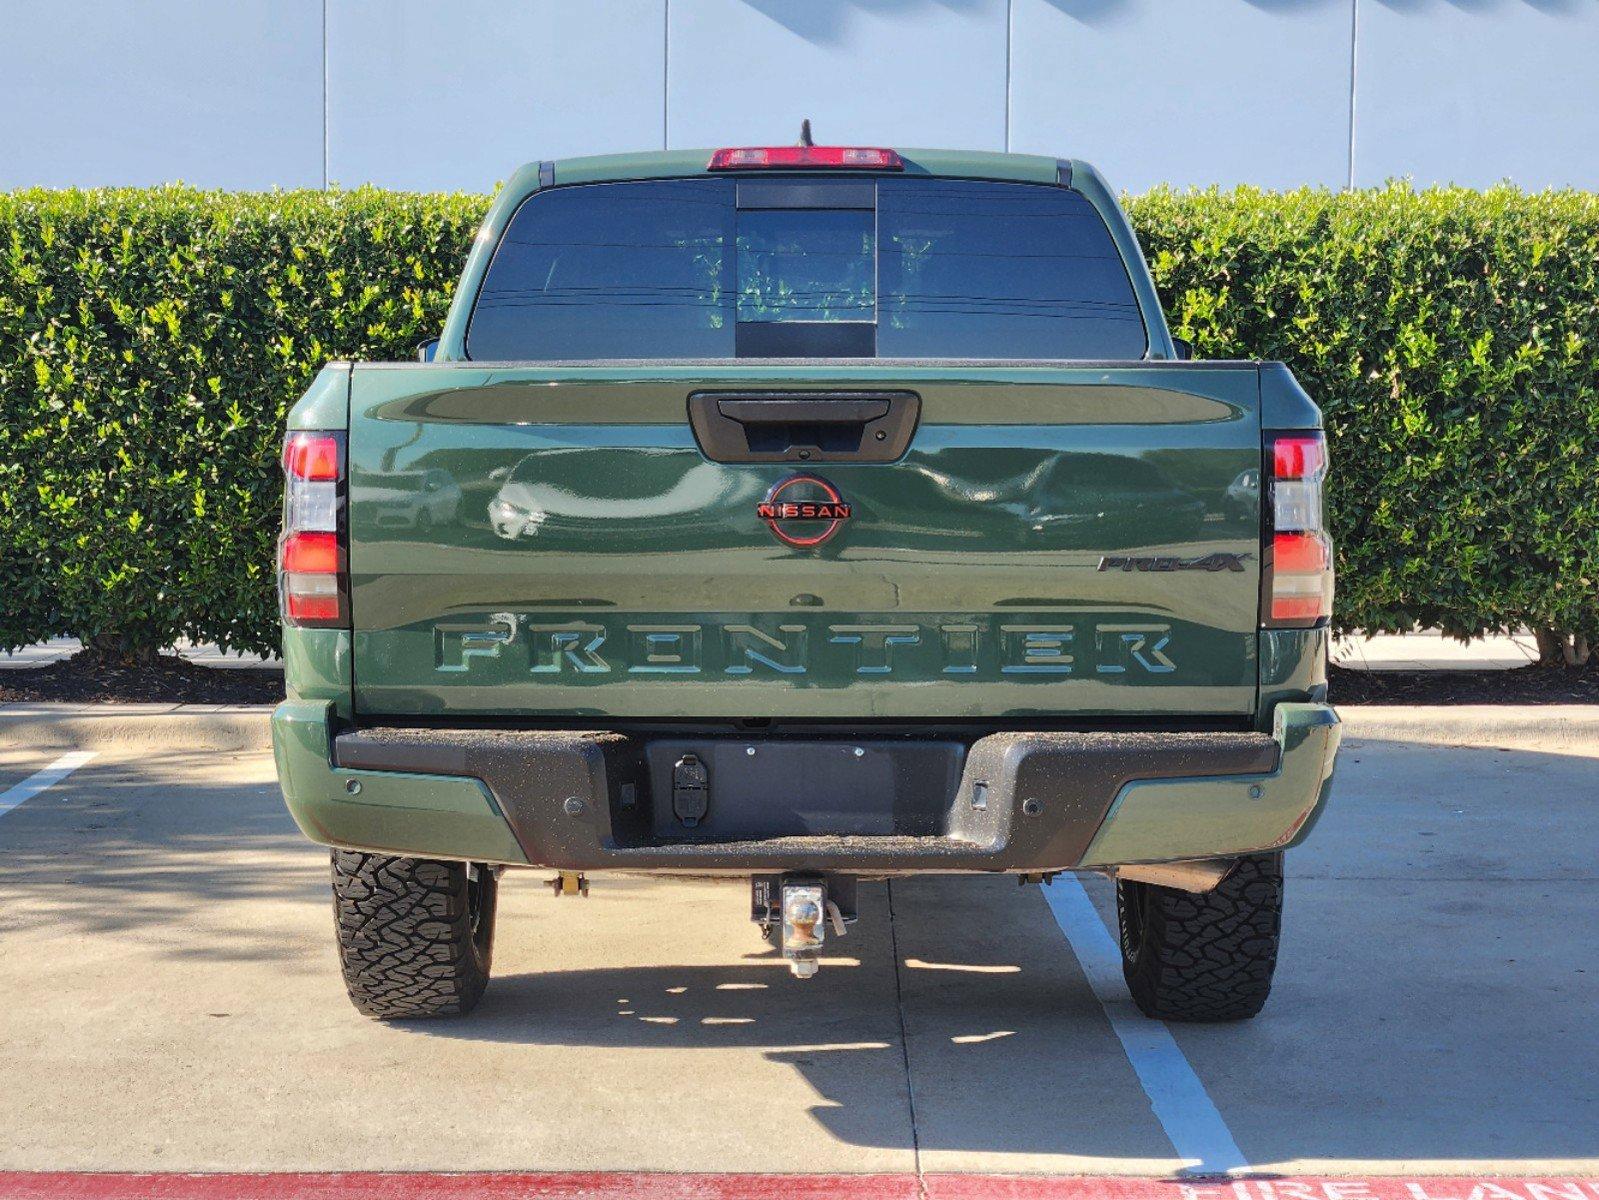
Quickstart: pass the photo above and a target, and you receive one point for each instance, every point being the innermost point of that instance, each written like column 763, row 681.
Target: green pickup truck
column 811, row 515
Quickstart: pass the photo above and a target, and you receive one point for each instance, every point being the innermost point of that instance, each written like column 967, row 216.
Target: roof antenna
column 805, row 133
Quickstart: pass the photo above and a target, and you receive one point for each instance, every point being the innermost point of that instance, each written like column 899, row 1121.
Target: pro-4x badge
column 803, row 510
column 1218, row 561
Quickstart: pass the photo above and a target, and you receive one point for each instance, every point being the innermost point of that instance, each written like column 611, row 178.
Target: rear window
column 807, row 268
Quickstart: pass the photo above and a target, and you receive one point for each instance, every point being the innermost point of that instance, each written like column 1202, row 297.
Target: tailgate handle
column 813, row 427
column 806, row 412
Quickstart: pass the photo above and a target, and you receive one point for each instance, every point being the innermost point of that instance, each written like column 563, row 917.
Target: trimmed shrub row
column 152, row 340
column 1452, row 339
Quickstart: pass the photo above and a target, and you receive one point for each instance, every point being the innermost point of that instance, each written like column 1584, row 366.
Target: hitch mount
column 799, row 908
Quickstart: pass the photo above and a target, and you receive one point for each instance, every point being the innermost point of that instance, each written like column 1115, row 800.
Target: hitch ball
column 804, row 930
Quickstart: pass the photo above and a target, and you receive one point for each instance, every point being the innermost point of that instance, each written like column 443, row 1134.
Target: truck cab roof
column 668, row 164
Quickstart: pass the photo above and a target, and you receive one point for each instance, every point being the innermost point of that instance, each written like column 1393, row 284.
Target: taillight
column 312, row 456
column 312, row 571
column 1297, row 583
column 790, row 158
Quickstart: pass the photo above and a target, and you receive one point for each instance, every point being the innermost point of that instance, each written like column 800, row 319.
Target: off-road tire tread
column 405, row 935
column 1205, row 957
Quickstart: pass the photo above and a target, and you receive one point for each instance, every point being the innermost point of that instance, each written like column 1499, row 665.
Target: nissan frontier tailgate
column 1053, row 539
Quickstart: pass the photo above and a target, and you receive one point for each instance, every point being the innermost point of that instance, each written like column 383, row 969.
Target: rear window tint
column 919, row 268
column 995, row 270
column 616, row 270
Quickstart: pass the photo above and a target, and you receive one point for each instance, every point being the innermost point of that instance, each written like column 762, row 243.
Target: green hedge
column 151, row 341
column 1452, row 340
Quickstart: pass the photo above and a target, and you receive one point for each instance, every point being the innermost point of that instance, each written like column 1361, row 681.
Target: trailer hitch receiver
column 804, row 926
column 798, row 909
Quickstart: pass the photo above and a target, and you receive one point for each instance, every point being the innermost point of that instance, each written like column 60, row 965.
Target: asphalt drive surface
column 172, row 1002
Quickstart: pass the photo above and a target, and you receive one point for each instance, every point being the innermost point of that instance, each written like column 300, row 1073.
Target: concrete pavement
column 205, row 653
column 173, row 1000
column 1429, row 650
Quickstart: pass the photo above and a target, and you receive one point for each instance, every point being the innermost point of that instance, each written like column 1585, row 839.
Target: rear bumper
column 1009, row 802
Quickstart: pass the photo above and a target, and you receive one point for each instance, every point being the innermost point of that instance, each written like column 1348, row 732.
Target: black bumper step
column 590, row 800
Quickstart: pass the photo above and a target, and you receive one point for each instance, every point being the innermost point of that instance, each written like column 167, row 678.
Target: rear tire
column 1209, row 957
column 416, row 936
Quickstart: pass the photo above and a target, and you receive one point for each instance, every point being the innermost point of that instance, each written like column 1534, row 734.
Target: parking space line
column 1185, row 1110
column 40, row 780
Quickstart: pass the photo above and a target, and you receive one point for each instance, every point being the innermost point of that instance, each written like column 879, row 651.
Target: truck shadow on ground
column 1389, row 1040
column 842, row 1032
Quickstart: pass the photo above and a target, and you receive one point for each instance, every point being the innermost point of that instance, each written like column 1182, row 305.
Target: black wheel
column 416, row 936
column 1207, row 957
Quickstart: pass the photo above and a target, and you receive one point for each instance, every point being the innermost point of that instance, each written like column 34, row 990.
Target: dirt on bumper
column 1011, row 802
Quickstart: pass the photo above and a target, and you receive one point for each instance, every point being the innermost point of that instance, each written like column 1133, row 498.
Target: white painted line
column 1183, row 1107
column 49, row 777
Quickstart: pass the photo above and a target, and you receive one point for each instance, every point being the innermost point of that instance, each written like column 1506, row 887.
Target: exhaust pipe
column 1199, row 876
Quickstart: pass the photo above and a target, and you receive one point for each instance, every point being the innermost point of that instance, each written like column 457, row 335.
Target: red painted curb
column 611, row 1185
column 363, row 1185
column 1386, row 1187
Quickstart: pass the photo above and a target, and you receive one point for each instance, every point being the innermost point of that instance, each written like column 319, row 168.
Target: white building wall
column 225, row 94
column 422, row 94
column 1477, row 91
column 1191, row 91
column 895, row 72
column 419, row 101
